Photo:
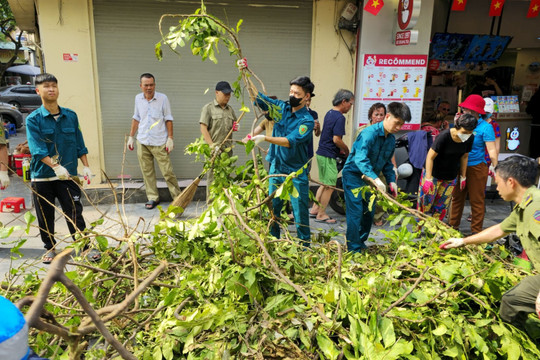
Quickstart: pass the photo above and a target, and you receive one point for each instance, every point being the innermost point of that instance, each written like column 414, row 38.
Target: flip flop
column 151, row 204
column 48, row 257
column 93, row 255
column 328, row 220
column 313, row 216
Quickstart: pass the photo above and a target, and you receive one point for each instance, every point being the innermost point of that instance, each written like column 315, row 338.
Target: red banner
column 496, row 7
column 374, row 6
column 534, row 8
column 458, row 5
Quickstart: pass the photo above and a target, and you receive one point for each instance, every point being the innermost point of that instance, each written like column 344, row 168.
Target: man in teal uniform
column 56, row 143
column 515, row 178
column 288, row 151
column 371, row 153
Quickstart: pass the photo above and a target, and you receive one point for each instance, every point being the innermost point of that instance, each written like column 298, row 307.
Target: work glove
column 235, row 126
column 214, row 149
column 452, row 243
column 4, row 179
column 130, row 143
column 246, row 139
column 242, row 63
column 61, row 172
column 538, row 305
column 462, row 182
column 380, row 185
column 428, row 186
column 169, row 145
column 393, row 189
column 258, row 139
column 491, row 171
column 87, row 174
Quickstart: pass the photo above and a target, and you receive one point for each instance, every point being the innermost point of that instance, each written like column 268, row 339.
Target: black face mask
column 294, row 101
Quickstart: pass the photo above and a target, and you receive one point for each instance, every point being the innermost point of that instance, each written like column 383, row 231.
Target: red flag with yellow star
column 496, row 7
column 374, row 6
column 534, row 8
column 458, row 5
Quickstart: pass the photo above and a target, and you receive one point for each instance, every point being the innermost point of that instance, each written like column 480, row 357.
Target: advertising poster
column 388, row 78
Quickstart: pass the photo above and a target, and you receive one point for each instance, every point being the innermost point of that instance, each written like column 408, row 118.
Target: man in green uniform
column 217, row 120
column 515, row 178
column 4, row 176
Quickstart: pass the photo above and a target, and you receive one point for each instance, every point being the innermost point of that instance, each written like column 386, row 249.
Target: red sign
column 403, row 38
column 433, row 64
column 408, row 13
column 71, row 57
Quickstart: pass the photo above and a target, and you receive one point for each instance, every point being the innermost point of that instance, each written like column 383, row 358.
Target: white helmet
column 404, row 170
column 489, row 107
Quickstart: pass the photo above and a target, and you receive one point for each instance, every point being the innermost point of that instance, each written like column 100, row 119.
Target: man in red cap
column 474, row 182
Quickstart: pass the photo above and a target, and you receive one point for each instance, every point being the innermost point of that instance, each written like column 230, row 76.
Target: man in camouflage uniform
column 217, row 120
column 515, row 178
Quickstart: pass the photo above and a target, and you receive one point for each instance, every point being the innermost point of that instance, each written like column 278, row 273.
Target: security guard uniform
column 520, row 301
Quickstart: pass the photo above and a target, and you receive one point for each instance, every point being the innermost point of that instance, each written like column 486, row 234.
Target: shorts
column 328, row 172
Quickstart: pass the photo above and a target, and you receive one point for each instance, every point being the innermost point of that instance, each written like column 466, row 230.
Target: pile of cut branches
column 230, row 290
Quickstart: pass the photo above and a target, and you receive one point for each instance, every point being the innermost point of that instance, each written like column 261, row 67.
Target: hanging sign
column 389, row 78
column 407, row 16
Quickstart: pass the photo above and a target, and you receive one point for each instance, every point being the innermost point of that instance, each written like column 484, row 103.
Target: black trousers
column 68, row 194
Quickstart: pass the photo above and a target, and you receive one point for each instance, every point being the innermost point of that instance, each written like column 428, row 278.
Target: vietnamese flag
column 496, row 7
column 458, row 5
column 534, row 8
column 374, row 6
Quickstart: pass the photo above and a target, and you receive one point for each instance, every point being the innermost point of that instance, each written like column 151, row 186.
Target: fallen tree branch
column 407, row 293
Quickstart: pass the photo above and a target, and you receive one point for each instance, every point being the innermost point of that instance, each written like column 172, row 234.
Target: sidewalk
column 135, row 215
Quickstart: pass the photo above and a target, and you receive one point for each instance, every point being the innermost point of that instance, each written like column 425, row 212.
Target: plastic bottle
column 26, row 169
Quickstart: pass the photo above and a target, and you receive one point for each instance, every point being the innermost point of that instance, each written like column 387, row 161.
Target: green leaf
column 29, row 218
column 15, row 249
column 244, row 108
column 157, row 353
column 167, row 349
column 250, row 276
column 249, row 146
column 238, row 25
column 452, row 352
column 327, row 346
column 440, row 330
column 386, row 328
column 103, row 243
column 158, row 51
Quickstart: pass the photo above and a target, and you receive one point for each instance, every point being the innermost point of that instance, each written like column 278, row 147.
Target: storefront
column 474, row 51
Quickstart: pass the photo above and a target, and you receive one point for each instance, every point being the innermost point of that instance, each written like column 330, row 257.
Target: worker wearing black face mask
column 288, row 152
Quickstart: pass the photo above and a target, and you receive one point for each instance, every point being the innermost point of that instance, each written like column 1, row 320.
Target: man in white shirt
column 152, row 120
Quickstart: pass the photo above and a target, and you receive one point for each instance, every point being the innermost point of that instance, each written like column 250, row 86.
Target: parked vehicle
column 9, row 113
column 24, row 97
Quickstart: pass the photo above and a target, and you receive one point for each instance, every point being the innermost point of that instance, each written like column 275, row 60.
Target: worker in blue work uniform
column 288, row 151
column 371, row 153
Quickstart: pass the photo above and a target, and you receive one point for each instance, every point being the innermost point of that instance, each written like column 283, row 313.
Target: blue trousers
column 299, row 204
column 359, row 217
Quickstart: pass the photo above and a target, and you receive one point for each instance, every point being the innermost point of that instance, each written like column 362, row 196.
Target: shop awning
column 25, row 70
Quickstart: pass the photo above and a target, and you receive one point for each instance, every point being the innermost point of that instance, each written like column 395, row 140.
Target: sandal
column 93, row 255
column 48, row 257
column 151, row 204
column 328, row 220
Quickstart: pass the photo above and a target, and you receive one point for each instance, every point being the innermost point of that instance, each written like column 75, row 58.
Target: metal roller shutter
column 275, row 37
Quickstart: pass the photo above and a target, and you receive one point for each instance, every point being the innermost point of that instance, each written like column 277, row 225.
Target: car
column 9, row 113
column 24, row 97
